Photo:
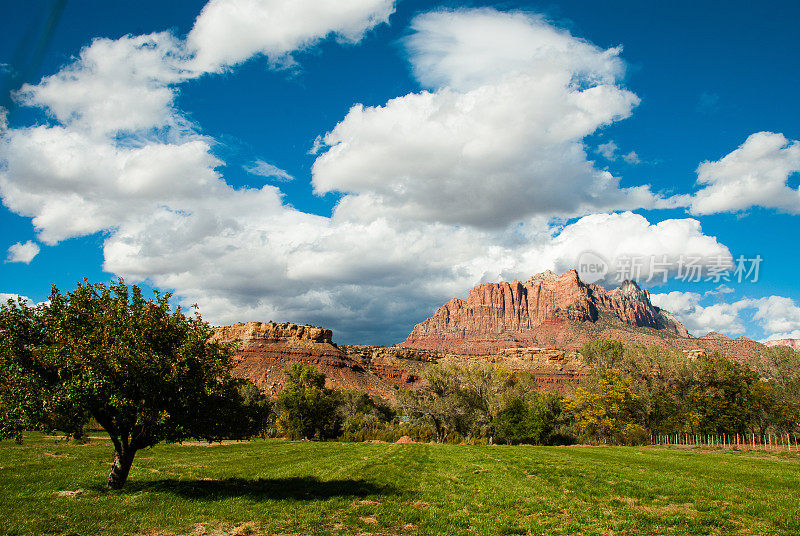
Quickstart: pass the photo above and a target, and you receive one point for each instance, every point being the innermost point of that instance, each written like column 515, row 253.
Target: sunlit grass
column 279, row 487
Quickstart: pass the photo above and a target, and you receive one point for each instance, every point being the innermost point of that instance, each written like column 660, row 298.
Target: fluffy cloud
column 699, row 319
column 466, row 49
column 115, row 85
column 627, row 243
column 500, row 136
column 777, row 316
column 755, row 174
column 443, row 189
column 136, row 75
column 73, row 184
column 24, row 253
column 228, row 32
column 244, row 255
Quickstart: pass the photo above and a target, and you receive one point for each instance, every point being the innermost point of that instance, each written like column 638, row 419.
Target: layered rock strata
column 553, row 311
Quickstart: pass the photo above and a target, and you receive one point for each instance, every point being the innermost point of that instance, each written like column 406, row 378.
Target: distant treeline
column 633, row 395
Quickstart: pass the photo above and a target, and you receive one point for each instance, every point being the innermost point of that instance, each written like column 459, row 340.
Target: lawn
column 281, row 487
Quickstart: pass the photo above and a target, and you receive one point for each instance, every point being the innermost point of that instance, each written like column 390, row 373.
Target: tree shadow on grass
column 298, row 488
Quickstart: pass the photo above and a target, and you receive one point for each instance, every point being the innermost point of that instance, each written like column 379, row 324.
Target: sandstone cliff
column 555, row 311
column 546, row 310
column 265, row 350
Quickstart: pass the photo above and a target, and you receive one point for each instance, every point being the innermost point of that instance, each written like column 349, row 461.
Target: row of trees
column 481, row 403
column 630, row 395
column 653, row 391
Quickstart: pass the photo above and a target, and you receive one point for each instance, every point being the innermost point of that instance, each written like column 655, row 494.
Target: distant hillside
column 791, row 343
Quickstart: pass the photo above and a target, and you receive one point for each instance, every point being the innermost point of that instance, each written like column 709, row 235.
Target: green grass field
column 280, row 487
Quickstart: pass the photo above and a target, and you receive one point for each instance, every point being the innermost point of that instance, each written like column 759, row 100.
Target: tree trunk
column 123, row 459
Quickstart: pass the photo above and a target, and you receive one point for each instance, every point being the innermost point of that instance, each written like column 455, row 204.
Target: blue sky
column 370, row 240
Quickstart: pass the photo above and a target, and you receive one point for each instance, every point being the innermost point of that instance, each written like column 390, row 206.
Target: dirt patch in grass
column 69, row 494
column 214, row 444
column 219, row 529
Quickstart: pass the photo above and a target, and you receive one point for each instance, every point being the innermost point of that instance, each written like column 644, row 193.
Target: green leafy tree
column 531, row 419
column 442, row 401
column 259, row 409
column 720, row 398
column 603, row 353
column 307, row 409
column 483, row 388
column 771, row 409
column 780, row 364
column 144, row 372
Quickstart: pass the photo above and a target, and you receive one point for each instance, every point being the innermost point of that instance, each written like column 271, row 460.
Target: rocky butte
column 265, row 349
column 560, row 311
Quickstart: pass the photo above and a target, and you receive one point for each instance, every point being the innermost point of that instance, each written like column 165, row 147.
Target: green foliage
column 530, row 419
column 604, row 353
column 258, row 409
column 307, row 409
column 709, row 395
column 365, row 418
column 720, row 399
column 483, row 402
column 458, row 402
column 781, row 365
column 21, row 396
column 145, row 373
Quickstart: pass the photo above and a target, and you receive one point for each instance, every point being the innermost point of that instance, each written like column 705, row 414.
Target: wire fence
column 773, row 442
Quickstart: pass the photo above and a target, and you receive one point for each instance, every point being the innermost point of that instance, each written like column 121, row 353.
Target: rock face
column 794, row 344
column 273, row 333
column 547, row 310
column 265, row 350
column 552, row 368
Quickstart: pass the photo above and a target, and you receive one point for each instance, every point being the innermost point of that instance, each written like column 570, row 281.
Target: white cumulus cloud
column 115, row 85
column 632, row 247
column 777, row 316
column 72, row 184
column 755, row 174
column 23, row 252
column 700, row 320
column 498, row 137
column 228, row 32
